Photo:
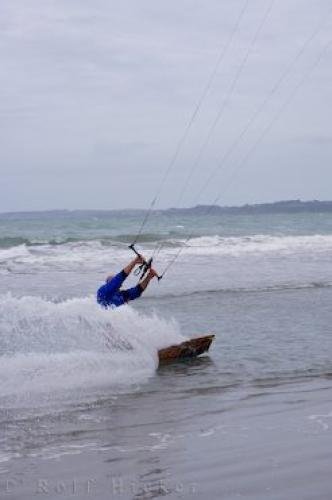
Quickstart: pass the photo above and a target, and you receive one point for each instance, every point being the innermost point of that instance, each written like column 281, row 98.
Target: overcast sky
column 95, row 96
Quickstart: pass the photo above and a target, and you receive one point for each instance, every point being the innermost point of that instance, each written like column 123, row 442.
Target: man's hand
column 139, row 260
column 153, row 273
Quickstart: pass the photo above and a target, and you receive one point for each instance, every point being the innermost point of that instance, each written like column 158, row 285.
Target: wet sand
column 272, row 441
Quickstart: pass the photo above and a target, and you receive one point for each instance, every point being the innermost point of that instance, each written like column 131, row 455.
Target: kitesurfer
column 111, row 295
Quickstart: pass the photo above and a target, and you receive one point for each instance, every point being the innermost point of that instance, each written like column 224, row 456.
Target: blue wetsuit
column 110, row 295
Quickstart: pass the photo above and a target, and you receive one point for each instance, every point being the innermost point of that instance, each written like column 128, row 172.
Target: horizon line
column 244, row 205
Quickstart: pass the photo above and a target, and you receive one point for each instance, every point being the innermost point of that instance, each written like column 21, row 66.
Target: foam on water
column 19, row 251
column 48, row 347
column 258, row 243
column 94, row 255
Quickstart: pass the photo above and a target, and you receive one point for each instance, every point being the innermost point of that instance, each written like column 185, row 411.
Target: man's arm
column 136, row 291
column 115, row 282
column 132, row 264
column 144, row 282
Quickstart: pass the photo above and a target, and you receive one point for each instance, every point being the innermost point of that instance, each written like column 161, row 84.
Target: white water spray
column 53, row 347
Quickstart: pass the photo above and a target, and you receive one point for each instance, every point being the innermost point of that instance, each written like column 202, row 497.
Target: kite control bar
column 145, row 266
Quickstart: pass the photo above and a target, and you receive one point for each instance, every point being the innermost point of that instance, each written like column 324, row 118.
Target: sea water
column 77, row 380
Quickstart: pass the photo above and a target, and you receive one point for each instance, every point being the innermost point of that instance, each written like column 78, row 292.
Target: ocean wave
column 171, row 239
column 13, row 241
column 95, row 253
column 114, row 240
column 239, row 290
column 257, row 243
column 47, row 346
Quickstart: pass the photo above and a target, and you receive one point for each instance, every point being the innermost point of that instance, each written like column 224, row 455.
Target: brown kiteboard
column 188, row 349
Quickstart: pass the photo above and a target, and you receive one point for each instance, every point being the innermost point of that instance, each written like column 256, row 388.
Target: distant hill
column 278, row 207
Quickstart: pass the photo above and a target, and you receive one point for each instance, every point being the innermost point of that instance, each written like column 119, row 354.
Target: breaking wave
column 92, row 253
column 115, row 240
column 171, row 238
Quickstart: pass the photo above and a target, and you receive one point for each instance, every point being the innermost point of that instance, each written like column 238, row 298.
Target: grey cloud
column 98, row 93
